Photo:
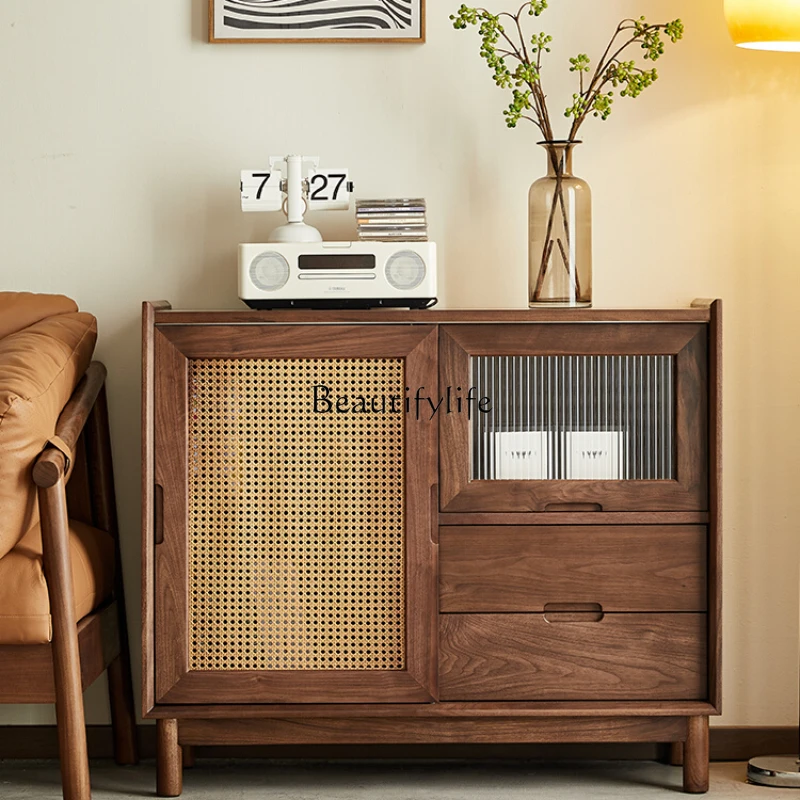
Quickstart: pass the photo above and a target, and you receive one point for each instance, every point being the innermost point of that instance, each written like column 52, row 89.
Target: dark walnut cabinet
column 436, row 526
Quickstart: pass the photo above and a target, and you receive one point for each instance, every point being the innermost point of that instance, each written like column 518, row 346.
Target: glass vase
column 560, row 233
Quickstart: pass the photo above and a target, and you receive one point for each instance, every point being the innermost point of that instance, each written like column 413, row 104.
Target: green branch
column 525, row 80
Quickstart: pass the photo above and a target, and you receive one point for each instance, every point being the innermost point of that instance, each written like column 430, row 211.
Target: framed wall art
column 276, row 21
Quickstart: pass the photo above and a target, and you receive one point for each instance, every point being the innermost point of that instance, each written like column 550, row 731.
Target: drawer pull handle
column 556, row 507
column 573, row 612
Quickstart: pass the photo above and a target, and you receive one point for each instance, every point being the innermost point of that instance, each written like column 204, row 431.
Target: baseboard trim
column 726, row 744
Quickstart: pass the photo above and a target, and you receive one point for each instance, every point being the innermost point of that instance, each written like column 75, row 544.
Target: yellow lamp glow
column 764, row 24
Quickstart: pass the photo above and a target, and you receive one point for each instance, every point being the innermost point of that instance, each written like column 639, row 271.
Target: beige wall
column 122, row 134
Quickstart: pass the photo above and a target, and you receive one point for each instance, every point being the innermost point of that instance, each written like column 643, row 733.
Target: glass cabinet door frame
column 175, row 683
column 687, row 343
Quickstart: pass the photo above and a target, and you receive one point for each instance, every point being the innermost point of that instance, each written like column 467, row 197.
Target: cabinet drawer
column 627, row 568
column 526, row 657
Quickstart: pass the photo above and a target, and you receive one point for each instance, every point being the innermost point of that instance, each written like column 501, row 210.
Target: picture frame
column 316, row 21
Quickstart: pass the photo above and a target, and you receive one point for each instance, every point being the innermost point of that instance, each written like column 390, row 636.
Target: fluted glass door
column 602, row 417
column 607, row 416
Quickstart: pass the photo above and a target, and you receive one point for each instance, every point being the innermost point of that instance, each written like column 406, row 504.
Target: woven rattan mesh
column 296, row 517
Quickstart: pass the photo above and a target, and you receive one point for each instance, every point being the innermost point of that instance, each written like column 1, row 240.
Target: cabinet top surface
column 164, row 315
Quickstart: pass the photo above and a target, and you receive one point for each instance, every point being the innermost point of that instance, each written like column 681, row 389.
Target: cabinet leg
column 169, row 771
column 676, row 754
column 695, row 757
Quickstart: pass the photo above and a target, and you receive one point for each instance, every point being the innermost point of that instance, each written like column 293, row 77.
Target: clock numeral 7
column 266, row 177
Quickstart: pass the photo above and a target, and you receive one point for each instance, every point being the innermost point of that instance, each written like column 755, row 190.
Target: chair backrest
column 19, row 310
column 46, row 345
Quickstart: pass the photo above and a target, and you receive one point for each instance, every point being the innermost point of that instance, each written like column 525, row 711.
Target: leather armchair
column 62, row 607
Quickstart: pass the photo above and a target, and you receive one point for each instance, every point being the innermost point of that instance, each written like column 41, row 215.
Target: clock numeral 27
column 321, row 182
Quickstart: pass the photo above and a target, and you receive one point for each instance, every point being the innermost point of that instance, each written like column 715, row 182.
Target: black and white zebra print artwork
column 318, row 18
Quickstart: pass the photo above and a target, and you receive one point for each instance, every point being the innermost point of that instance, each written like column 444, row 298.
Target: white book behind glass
column 521, row 455
column 593, row 455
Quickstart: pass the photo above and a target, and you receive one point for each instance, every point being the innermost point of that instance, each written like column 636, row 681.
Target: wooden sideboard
column 477, row 526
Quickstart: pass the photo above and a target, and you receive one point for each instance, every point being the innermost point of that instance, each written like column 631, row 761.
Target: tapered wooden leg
column 104, row 512
column 676, row 754
column 695, row 757
column 169, row 771
column 188, row 756
column 66, row 655
column 123, row 717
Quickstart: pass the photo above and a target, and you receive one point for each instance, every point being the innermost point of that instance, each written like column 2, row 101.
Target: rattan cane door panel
column 307, row 527
column 296, row 517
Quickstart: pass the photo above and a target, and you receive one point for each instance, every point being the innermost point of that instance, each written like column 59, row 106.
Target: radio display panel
column 337, row 261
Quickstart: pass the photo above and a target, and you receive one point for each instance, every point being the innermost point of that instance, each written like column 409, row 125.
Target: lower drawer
column 530, row 657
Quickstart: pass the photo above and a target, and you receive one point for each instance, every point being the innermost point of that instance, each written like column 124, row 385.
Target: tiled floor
column 265, row 780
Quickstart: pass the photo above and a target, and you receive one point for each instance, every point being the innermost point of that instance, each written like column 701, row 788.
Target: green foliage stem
column 502, row 38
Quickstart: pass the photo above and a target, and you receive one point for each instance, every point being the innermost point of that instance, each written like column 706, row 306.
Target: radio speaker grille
column 296, row 516
column 269, row 271
column 405, row 270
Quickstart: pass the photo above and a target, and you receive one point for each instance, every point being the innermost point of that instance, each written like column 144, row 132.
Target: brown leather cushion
column 19, row 310
column 39, row 368
column 24, row 599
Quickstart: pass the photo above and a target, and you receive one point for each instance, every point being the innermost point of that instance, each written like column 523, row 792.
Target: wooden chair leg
column 104, row 510
column 188, row 756
column 695, row 757
column 169, row 767
column 123, row 717
column 66, row 656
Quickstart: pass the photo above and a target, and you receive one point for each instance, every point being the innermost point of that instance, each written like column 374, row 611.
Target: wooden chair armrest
column 52, row 464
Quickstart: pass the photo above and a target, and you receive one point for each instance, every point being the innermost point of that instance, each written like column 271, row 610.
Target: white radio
column 298, row 270
column 338, row 275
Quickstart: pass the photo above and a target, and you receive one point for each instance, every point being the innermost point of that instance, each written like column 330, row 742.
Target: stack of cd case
column 398, row 220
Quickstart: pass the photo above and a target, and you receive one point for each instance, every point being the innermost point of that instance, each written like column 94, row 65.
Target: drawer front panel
column 526, row 657
column 626, row 568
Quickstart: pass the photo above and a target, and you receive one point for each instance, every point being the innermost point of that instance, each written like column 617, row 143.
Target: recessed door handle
column 573, row 612
column 555, row 507
column 158, row 513
column 434, row 505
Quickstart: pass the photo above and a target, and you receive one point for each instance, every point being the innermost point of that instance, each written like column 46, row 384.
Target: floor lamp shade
column 764, row 24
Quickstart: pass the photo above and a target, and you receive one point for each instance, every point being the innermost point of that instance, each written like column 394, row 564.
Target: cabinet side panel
column 149, row 311
column 148, row 478
column 715, row 506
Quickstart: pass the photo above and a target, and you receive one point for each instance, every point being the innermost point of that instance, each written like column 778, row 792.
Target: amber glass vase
column 560, row 233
